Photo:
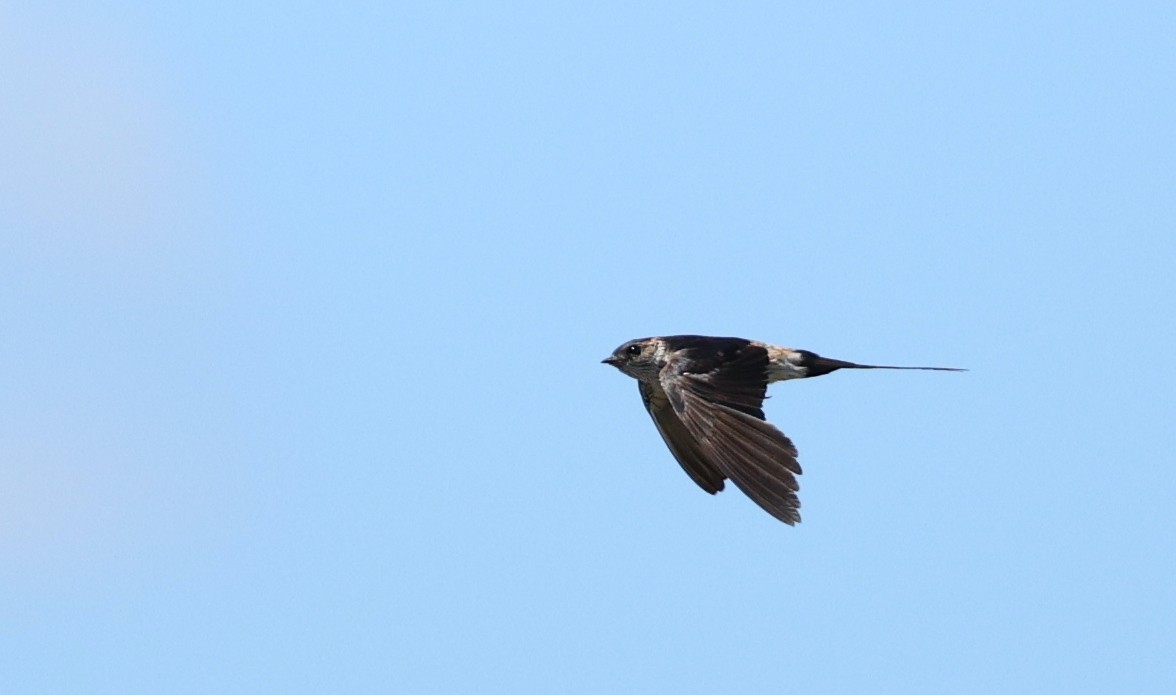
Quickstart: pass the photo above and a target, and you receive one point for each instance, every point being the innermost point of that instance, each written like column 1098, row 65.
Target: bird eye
column 633, row 350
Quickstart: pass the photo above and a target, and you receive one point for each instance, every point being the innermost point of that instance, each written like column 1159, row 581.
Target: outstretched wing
column 720, row 403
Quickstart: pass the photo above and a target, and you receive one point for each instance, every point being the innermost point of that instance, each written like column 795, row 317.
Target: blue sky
column 303, row 308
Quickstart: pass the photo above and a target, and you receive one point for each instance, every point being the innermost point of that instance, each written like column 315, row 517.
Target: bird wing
column 720, row 405
column 682, row 444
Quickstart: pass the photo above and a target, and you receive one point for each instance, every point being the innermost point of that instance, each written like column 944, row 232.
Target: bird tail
column 818, row 366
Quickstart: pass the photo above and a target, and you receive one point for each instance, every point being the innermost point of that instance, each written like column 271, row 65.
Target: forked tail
column 817, row 365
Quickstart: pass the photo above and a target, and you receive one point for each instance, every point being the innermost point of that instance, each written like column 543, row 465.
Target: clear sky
column 302, row 308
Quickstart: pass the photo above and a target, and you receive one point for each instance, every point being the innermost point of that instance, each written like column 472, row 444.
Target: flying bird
column 706, row 397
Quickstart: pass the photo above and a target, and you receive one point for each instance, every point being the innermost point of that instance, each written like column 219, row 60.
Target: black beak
column 610, row 360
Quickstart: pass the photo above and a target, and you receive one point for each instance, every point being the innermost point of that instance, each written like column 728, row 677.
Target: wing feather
column 721, row 408
column 680, row 441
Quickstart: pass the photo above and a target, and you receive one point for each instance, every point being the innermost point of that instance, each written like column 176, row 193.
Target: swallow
column 706, row 397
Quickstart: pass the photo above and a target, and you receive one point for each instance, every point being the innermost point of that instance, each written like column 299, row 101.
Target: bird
column 705, row 395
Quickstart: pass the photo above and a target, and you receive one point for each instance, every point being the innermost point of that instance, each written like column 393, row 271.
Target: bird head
column 637, row 358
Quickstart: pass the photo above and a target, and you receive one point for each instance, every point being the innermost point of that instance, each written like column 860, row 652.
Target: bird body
column 705, row 395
